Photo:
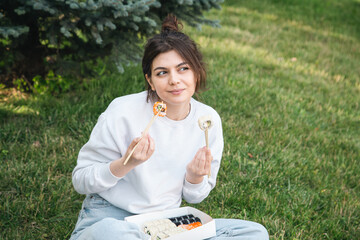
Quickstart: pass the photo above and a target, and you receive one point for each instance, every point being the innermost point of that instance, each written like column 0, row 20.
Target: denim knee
column 113, row 229
column 262, row 232
column 239, row 229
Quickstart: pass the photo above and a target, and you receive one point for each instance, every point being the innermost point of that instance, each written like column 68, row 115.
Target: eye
column 183, row 68
column 160, row 73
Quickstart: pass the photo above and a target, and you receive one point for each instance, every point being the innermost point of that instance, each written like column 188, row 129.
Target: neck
column 178, row 112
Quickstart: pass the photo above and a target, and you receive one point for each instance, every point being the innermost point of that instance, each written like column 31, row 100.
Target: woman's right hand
column 141, row 154
column 143, row 151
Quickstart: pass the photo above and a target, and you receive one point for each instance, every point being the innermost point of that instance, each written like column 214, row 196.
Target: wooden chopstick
column 142, row 135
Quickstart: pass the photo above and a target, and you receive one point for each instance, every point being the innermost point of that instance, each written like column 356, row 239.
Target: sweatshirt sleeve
column 92, row 173
column 195, row 193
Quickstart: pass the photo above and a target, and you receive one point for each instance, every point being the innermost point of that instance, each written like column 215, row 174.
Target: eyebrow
column 161, row 68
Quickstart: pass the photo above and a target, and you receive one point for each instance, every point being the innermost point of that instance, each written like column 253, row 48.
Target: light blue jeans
column 98, row 219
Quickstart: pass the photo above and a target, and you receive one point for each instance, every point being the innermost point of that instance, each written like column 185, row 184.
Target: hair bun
column 171, row 23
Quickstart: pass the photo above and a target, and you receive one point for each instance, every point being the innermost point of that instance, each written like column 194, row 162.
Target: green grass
column 284, row 76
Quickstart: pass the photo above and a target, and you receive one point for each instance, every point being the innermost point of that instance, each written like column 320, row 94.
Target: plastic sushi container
column 207, row 229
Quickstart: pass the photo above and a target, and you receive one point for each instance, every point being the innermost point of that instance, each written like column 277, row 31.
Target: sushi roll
column 154, row 227
column 169, row 232
column 190, row 226
column 159, row 108
column 186, row 219
column 164, row 228
column 181, row 218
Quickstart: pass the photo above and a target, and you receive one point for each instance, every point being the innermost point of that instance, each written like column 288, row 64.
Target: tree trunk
column 28, row 60
column 32, row 62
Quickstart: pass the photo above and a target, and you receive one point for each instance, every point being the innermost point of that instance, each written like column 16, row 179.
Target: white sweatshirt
column 159, row 183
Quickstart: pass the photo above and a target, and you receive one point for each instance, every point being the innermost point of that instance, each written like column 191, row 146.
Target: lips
column 177, row 91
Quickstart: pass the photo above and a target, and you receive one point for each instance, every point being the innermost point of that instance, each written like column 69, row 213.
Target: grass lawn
column 284, row 76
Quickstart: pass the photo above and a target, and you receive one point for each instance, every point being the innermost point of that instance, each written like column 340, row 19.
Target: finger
column 151, row 148
column 133, row 146
column 209, row 156
column 193, row 164
column 197, row 156
column 134, row 142
column 147, row 145
column 208, row 161
column 144, row 145
column 201, row 160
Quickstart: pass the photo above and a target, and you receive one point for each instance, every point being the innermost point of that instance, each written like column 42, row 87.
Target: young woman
column 169, row 164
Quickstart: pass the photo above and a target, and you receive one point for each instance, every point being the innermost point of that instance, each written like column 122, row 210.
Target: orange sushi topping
column 190, row 226
column 160, row 108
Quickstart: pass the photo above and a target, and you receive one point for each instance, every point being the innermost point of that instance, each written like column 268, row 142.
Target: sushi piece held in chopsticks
column 159, row 109
column 205, row 123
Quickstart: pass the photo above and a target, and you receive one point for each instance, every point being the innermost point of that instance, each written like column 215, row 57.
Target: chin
column 176, row 99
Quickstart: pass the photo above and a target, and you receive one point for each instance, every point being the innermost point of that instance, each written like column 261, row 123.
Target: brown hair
column 171, row 38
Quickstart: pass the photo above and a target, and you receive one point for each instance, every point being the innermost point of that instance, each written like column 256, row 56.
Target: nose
column 174, row 78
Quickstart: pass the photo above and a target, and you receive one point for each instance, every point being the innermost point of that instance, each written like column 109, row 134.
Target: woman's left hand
column 199, row 166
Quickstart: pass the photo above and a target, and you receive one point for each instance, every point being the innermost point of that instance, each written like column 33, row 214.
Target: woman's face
column 172, row 79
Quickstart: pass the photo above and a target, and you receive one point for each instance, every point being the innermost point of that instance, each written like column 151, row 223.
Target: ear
column 148, row 79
